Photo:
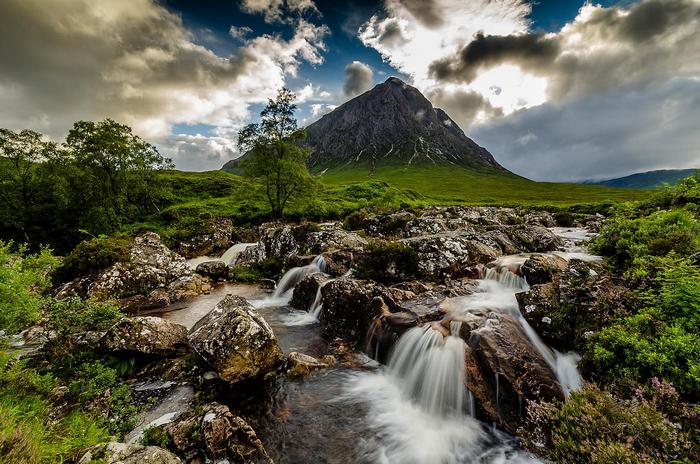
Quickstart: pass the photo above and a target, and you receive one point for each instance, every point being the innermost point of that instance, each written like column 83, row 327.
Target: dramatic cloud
column 278, row 10
column 610, row 134
column 137, row 63
column 358, row 78
column 239, row 32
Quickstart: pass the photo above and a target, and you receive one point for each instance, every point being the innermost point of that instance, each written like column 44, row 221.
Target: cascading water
column 501, row 286
column 417, row 407
column 231, row 255
column 296, row 274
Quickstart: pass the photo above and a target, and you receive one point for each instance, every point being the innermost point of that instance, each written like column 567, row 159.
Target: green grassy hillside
column 452, row 184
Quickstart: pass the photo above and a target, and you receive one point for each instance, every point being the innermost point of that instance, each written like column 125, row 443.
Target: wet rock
column 305, row 291
column 123, row 453
column 332, row 237
column 534, row 238
column 144, row 335
column 156, row 299
column 338, row 262
column 227, row 436
column 188, row 286
column 215, row 270
column 450, row 254
column 236, row 341
column 504, row 369
column 151, row 265
column 389, row 225
column 301, row 365
column 539, row 269
column 347, row 310
column 579, row 299
column 213, row 237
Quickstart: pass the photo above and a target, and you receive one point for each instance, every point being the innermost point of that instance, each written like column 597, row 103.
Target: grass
column 457, row 185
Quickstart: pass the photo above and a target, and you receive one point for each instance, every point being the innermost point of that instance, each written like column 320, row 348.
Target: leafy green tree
column 274, row 152
column 22, row 181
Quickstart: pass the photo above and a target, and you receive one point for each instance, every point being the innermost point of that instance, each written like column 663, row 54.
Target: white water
column 417, row 407
column 497, row 293
column 229, row 257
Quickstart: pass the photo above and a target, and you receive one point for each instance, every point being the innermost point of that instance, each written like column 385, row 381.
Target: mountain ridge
column 393, row 123
column 646, row 179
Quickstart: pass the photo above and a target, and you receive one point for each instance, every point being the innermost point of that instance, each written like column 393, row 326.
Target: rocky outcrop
column 144, row 335
column 187, row 286
column 236, row 341
column 301, row 365
column 503, row 369
column 215, row 270
column 347, row 310
column 330, row 238
column 575, row 302
column 276, row 241
column 450, row 254
column 540, row 269
column 123, row 453
column 212, row 238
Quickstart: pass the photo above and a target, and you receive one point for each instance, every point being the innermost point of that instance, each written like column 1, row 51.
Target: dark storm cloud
column 358, row 78
column 391, row 34
column 462, row 105
column 602, row 48
column 529, row 50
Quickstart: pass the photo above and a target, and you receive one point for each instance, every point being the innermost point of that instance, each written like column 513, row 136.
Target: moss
column 91, row 256
column 387, row 262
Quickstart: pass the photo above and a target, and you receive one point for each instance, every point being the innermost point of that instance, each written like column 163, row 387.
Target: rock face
column 144, row 335
column 305, row 291
column 449, row 254
column 573, row 302
column 540, row 269
column 393, row 122
column 214, row 237
column 150, row 265
column 236, row 341
column 503, row 369
column 123, row 453
column 230, row 437
column 347, row 309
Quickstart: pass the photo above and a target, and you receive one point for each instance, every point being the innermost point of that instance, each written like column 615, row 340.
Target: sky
column 556, row 90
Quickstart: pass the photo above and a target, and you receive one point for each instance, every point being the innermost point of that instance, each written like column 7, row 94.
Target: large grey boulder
column 144, row 335
column 236, row 341
column 213, row 236
column 450, row 254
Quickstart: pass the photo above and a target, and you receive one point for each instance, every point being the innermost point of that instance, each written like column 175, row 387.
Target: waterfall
column 231, row 255
column 563, row 365
column 297, row 274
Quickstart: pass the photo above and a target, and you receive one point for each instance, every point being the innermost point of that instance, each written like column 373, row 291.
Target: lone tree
column 274, row 153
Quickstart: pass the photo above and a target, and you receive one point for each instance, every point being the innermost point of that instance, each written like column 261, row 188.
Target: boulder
column 156, row 299
column 332, row 237
column 213, row 237
column 144, row 335
column 188, row 286
column 150, row 265
column 306, row 291
column 301, row 365
column 338, row 262
column 215, row 270
column 236, row 341
column 450, row 254
column 229, row 437
column 539, row 269
column 123, row 453
column 503, row 369
column 534, row 238
column 347, row 310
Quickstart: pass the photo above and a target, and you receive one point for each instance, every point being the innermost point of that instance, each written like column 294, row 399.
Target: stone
column 123, row 453
column 539, row 269
column 450, row 254
column 306, row 290
column 227, row 436
column 236, row 341
column 301, row 365
column 144, row 335
column 213, row 237
column 215, row 270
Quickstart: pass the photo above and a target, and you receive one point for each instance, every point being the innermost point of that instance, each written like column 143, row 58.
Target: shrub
column 355, row 220
column 244, row 273
column 156, row 436
column 387, row 262
column 91, row 256
column 564, row 218
column 594, row 427
column 24, row 279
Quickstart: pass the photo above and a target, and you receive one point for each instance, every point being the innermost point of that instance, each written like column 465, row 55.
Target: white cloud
column 239, row 32
column 276, row 10
column 137, row 63
column 359, row 78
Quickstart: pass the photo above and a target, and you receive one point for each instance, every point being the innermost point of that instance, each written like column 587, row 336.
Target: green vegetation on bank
column 646, row 361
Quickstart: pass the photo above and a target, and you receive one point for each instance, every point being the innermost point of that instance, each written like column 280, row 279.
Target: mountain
column 391, row 124
column 647, row 180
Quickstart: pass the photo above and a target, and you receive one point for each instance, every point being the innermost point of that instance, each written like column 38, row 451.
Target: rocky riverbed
column 412, row 337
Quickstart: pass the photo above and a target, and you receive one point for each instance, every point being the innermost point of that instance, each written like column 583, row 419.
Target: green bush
column 355, row 220
column 24, row 280
column 245, row 273
column 594, row 427
column 662, row 340
column 91, row 256
column 387, row 262
column 156, row 436
column 564, row 218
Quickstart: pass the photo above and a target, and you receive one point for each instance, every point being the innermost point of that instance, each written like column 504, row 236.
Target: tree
column 21, row 179
column 273, row 152
column 118, row 166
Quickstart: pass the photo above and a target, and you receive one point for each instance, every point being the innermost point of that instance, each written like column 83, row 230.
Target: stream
column 414, row 410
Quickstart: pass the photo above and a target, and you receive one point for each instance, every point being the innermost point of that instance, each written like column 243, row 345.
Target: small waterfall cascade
column 231, row 255
column 296, row 274
column 564, row 365
column 431, row 370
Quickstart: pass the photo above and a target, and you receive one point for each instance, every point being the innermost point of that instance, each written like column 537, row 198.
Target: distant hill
column 391, row 124
column 647, row 180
